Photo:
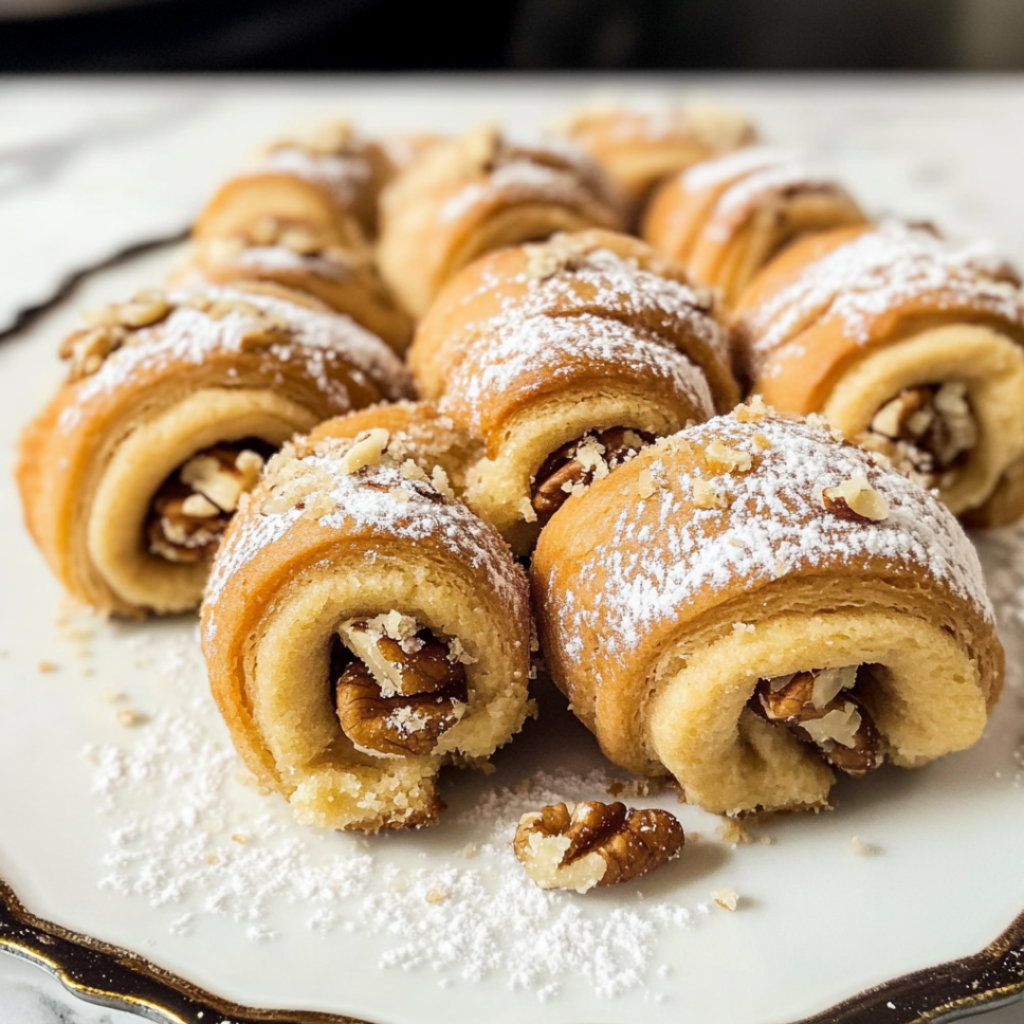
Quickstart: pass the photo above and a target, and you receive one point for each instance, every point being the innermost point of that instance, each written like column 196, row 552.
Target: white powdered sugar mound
column 182, row 835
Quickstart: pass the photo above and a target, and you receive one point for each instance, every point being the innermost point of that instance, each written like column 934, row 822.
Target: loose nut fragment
column 723, row 459
column 839, row 726
column 855, row 499
column 366, row 450
column 574, row 466
column 383, row 718
column 578, row 846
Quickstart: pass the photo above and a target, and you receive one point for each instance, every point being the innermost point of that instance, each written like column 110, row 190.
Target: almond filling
column 927, row 431
column 819, row 709
column 398, row 686
column 194, row 505
column 573, row 467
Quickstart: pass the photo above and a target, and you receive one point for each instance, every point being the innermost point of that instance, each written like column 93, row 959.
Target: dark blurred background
column 537, row 35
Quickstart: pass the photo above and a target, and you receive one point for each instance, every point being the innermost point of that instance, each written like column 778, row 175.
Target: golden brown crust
column 640, row 146
column 66, row 452
column 344, row 280
column 328, row 179
column 462, row 198
column 724, row 219
column 676, row 556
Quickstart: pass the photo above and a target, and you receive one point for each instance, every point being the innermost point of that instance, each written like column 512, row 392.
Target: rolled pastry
column 130, row 474
column 567, row 358
column 640, row 145
column 301, row 259
column 752, row 605
column 362, row 628
column 724, row 219
column 462, row 198
column 327, row 180
column 905, row 342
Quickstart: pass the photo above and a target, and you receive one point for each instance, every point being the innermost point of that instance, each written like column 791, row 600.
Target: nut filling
column 578, row 846
column 193, row 507
column 398, row 686
column 817, row 707
column 927, row 431
column 574, row 466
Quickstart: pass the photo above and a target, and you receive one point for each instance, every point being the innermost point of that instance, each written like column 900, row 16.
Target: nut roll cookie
column 724, row 219
column 752, row 605
column 640, row 145
column 363, row 627
column 327, row 180
column 566, row 358
column 300, row 258
column 463, row 198
column 908, row 344
column 131, row 473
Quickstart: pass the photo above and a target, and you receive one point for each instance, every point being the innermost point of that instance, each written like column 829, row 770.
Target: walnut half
column 405, row 688
column 578, row 846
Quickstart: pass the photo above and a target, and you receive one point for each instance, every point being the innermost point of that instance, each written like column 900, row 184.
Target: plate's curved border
column 107, row 975
column 104, row 974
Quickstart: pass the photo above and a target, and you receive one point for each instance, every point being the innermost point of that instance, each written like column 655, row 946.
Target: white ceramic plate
column 146, row 837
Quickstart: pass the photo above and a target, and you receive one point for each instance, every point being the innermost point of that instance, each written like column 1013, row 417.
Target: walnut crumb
column 723, row 459
column 237, row 837
column 744, row 627
column 863, row 849
column 727, row 899
column 645, row 484
column 707, row 496
column 855, row 499
column 733, row 831
column 366, row 450
column 753, row 411
column 130, row 717
column 435, row 896
column 47, row 666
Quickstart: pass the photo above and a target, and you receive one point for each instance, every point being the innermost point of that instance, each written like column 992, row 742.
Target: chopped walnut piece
column 366, row 450
column 925, row 430
column 707, row 496
column 839, row 726
column 727, row 899
column 190, row 512
column 574, row 466
column 723, row 459
column 646, row 485
column 753, row 410
column 855, row 499
column 578, row 846
column 400, row 696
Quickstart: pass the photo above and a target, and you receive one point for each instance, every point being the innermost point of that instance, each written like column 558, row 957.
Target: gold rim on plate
column 109, row 976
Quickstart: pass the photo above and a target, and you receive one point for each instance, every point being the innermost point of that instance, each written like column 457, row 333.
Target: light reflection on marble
column 90, row 167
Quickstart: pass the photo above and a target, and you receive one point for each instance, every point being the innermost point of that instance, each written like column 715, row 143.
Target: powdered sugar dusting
column 773, row 527
column 604, row 284
column 735, row 165
column 382, row 499
column 532, row 351
column 878, row 271
column 281, row 257
column 342, row 175
column 319, row 341
column 519, row 181
column 746, row 195
column 192, row 842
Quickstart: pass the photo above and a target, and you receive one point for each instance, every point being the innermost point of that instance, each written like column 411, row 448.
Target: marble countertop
column 91, row 167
